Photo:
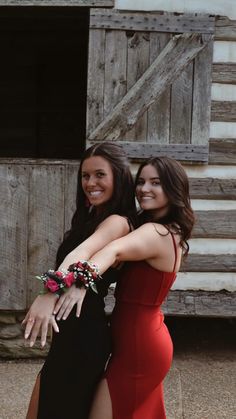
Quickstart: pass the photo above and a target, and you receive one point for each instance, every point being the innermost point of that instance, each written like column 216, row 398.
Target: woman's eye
column 85, row 176
column 100, row 174
column 140, row 182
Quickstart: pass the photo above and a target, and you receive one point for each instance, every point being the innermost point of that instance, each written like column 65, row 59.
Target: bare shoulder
column 154, row 228
column 116, row 221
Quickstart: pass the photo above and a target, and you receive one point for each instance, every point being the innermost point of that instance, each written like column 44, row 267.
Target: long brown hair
column 84, row 222
column 175, row 184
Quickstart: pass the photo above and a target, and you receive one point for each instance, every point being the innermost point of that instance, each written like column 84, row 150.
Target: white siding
column 218, row 7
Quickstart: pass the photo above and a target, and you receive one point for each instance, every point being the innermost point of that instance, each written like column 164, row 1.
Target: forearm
column 105, row 258
column 79, row 253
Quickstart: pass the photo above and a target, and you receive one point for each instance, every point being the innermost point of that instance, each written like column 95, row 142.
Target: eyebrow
column 152, row 178
column 97, row 170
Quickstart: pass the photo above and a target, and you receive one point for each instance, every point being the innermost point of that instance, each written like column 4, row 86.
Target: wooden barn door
column 149, row 81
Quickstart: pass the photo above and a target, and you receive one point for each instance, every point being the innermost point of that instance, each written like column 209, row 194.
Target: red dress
column 142, row 347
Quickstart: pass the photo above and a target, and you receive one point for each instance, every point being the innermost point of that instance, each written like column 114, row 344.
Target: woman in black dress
column 78, row 354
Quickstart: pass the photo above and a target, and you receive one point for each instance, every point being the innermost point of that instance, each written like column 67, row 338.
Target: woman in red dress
column 142, row 348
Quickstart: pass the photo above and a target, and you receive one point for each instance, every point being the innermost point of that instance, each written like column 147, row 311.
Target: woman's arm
column 149, row 242
column 112, row 228
column 39, row 316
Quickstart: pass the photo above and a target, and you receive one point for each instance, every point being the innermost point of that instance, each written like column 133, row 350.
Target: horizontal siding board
column 224, row 73
column 192, row 303
column 212, row 188
column 201, row 303
column 181, row 152
column 68, row 3
column 147, row 21
column 209, row 263
column 224, row 111
column 215, row 224
column 225, row 29
column 222, row 151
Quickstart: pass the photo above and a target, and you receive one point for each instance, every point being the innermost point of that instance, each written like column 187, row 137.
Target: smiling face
column 97, row 180
column 149, row 192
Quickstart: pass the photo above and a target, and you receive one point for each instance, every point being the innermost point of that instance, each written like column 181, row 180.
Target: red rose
column 52, row 285
column 69, row 279
column 80, row 265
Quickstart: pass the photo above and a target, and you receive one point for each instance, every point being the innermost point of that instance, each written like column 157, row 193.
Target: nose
column 144, row 187
column 91, row 181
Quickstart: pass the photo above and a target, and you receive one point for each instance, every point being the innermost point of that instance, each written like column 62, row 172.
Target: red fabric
column 142, row 346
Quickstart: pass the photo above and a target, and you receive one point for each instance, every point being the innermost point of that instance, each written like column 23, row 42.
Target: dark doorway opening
column 43, row 81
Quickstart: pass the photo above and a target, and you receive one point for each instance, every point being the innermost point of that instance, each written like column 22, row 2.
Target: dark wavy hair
column 174, row 181
column 84, row 222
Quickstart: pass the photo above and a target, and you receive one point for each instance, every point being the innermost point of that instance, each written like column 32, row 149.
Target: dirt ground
column 200, row 385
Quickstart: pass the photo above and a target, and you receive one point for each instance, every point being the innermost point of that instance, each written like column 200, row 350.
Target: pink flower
column 59, row 274
column 52, row 285
column 69, row 279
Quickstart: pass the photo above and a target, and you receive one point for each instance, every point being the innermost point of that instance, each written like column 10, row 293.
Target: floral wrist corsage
column 82, row 274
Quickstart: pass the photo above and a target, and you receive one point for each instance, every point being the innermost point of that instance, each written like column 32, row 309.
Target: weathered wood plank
column 137, row 64
column 95, row 89
column 215, row 224
column 209, row 263
column 222, row 151
column 166, row 68
column 181, row 107
column 83, row 3
column 201, row 109
column 46, row 220
column 224, row 111
column 224, row 73
column 13, row 236
column 225, row 29
column 151, row 21
column 212, row 188
column 192, row 303
column 159, row 112
column 201, row 303
column 70, row 190
column 181, row 152
column 115, row 79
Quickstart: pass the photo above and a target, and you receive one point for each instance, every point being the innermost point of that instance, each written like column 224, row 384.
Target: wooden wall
column 37, row 201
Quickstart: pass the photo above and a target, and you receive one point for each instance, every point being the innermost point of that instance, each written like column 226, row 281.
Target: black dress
column 76, row 359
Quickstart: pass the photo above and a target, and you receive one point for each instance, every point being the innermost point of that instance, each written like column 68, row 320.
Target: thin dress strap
column 175, row 247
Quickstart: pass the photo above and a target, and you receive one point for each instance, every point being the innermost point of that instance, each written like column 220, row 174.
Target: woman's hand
column 67, row 301
column 38, row 318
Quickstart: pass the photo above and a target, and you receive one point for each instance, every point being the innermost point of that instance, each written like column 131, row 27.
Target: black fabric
column 75, row 362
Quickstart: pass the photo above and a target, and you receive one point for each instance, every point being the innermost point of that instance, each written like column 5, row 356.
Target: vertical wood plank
column 115, row 69
column 181, row 107
column 202, row 95
column 71, row 174
column 46, row 220
column 13, row 236
column 95, row 89
column 159, row 112
column 137, row 63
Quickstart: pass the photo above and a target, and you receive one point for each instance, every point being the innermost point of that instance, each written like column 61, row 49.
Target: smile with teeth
column 94, row 193
column 146, row 197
